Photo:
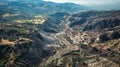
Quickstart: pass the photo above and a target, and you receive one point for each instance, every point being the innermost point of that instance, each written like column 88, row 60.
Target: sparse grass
column 16, row 55
column 4, row 54
column 72, row 53
column 12, row 38
column 18, row 30
column 53, row 63
column 5, row 51
column 63, row 45
column 2, row 62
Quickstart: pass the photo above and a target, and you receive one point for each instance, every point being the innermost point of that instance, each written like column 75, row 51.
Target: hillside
column 18, row 10
column 81, row 45
column 47, row 34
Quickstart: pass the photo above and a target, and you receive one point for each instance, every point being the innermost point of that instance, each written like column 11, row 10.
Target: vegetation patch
column 72, row 53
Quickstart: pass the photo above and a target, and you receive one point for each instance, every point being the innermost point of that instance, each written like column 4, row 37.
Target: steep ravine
column 69, row 46
column 78, row 46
